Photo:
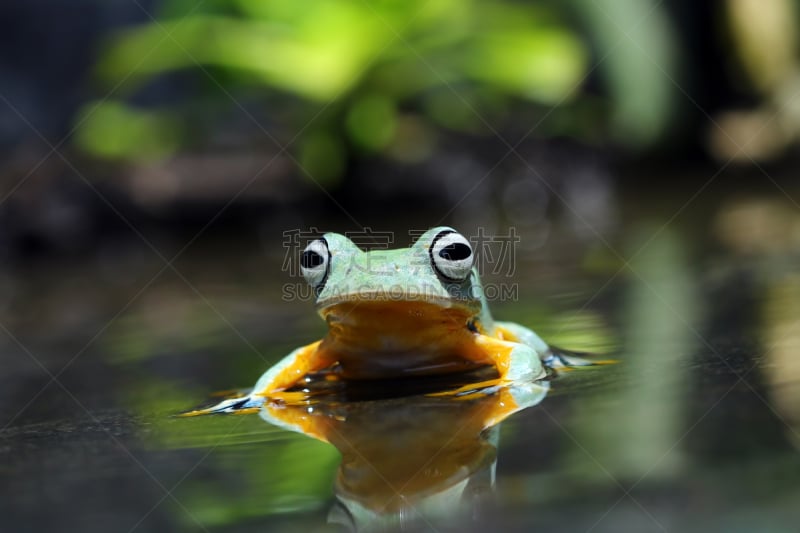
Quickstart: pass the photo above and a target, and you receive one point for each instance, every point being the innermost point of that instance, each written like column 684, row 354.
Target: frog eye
column 452, row 256
column 314, row 262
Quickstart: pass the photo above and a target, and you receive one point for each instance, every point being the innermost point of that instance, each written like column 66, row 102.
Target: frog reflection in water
column 391, row 314
column 415, row 462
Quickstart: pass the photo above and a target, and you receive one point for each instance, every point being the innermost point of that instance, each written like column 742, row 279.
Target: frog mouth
column 414, row 314
column 396, row 298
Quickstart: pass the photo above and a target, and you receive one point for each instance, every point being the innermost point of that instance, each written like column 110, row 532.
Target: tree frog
column 402, row 313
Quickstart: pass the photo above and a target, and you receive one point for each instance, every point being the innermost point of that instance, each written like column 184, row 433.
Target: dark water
column 697, row 428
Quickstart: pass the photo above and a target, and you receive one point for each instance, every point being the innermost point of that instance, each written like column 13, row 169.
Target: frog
column 403, row 314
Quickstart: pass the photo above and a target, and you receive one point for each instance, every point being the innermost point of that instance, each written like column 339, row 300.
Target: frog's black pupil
column 455, row 252
column 311, row 259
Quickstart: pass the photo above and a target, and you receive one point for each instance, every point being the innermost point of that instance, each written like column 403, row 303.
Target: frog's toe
column 241, row 405
column 523, row 365
column 560, row 358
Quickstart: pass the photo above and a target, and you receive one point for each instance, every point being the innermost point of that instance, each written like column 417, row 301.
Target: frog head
column 437, row 270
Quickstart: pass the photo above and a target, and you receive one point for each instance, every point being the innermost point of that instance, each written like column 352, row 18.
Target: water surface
column 697, row 428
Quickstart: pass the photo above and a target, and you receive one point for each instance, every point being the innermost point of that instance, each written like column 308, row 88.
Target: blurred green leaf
column 318, row 59
column 458, row 65
column 545, row 66
column 638, row 60
column 371, row 122
column 114, row 130
column 322, row 156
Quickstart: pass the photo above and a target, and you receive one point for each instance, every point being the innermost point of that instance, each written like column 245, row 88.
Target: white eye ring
column 314, row 262
column 451, row 255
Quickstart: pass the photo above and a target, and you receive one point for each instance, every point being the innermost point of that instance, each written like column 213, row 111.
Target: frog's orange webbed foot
column 470, row 391
column 273, row 384
column 287, row 372
column 501, row 399
column 240, row 406
column 514, row 361
column 251, row 404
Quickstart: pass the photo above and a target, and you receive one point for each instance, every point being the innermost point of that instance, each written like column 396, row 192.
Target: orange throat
column 377, row 339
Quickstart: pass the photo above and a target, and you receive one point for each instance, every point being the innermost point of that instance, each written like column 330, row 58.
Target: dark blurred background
column 166, row 112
